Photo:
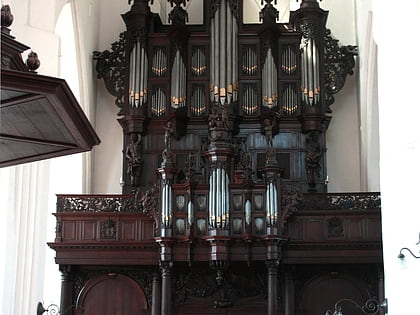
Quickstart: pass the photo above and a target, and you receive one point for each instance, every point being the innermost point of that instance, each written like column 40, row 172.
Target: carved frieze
column 91, row 203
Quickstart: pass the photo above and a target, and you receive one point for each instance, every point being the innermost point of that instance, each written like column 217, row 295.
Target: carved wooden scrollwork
column 292, row 202
column 339, row 62
column 111, row 67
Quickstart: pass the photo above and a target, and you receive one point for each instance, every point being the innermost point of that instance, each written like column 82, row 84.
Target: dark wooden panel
column 40, row 118
column 313, row 230
column 147, row 230
column 112, row 294
column 129, row 230
column 355, row 228
column 69, row 231
column 88, row 230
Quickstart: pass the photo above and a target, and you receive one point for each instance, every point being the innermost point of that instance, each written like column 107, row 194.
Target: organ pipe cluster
column 249, row 61
column 219, row 199
column 138, row 75
column 310, row 71
column 224, row 55
column 178, row 82
column 158, row 102
column 249, row 99
column 198, row 62
column 290, row 102
column 198, row 102
column 271, row 203
column 269, row 81
column 167, row 208
column 159, row 63
column 288, row 61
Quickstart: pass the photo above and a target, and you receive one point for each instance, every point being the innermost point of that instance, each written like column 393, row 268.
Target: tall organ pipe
column 219, row 204
column 310, row 71
column 223, row 55
column 271, row 203
column 269, row 81
column 178, row 82
column 138, row 75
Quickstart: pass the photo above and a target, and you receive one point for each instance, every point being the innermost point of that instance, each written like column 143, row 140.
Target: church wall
column 399, row 109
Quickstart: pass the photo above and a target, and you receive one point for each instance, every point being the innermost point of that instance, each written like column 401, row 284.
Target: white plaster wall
column 368, row 98
column 343, row 142
column 399, row 111
column 108, row 158
column 25, row 203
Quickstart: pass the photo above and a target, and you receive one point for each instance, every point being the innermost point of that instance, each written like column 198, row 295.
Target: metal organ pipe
column 271, row 203
column 223, row 55
column 178, row 81
column 138, row 75
column 310, row 71
column 248, row 212
column 269, row 81
column 219, row 204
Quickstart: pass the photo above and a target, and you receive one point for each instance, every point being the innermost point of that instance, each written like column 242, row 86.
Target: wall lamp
column 372, row 306
column 402, row 256
column 52, row 309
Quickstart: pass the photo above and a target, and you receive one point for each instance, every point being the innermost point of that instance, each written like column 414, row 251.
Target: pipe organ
column 230, row 120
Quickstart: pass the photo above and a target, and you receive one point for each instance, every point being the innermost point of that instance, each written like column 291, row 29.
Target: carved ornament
column 111, row 67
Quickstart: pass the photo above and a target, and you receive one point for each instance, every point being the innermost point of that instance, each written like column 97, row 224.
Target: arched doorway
column 322, row 292
column 112, row 294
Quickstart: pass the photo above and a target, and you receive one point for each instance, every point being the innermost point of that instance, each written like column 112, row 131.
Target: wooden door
column 112, row 294
column 321, row 293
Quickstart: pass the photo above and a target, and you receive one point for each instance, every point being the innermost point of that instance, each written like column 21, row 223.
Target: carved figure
column 213, row 117
column 169, row 131
column 134, row 160
column 167, row 152
column 225, row 116
column 268, row 129
column 312, row 159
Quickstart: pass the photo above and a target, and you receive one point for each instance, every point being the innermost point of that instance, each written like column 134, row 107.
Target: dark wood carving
column 339, row 62
column 110, row 66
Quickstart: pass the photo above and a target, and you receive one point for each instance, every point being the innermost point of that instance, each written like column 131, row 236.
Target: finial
column 32, row 62
column 6, row 18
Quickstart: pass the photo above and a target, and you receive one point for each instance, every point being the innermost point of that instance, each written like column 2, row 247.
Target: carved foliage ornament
column 233, row 4
column 96, row 204
column 111, row 67
column 291, row 203
column 339, row 62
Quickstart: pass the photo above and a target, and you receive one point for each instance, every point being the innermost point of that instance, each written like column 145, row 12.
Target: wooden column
column 381, row 291
column 289, row 296
column 66, row 303
column 156, row 294
column 272, row 287
column 166, row 288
